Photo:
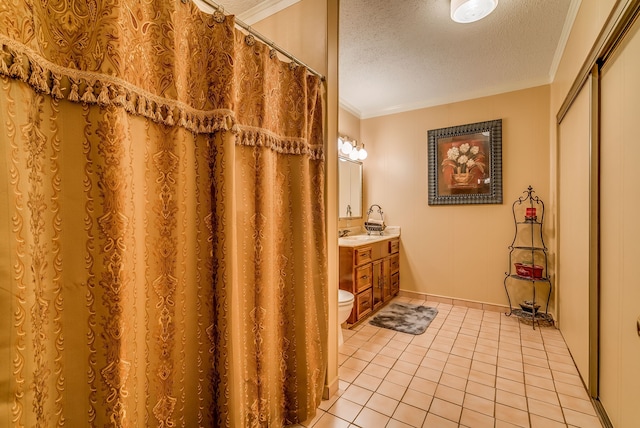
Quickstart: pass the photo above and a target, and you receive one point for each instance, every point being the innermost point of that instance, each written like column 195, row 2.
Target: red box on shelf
column 528, row 271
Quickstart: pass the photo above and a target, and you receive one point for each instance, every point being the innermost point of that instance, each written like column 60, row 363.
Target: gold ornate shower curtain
column 162, row 241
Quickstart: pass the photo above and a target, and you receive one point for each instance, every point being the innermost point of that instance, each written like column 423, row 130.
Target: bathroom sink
column 361, row 237
column 355, row 240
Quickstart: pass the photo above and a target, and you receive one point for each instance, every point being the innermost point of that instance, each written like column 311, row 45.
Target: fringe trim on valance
column 19, row 62
column 258, row 137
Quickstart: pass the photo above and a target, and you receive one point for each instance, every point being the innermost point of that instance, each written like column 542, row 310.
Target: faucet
column 342, row 233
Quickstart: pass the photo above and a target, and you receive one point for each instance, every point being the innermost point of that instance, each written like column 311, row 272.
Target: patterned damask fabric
column 162, row 242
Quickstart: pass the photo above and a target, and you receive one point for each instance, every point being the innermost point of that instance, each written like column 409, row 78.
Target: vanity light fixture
column 350, row 148
column 466, row 11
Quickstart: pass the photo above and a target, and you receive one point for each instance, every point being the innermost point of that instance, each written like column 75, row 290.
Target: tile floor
column 471, row 368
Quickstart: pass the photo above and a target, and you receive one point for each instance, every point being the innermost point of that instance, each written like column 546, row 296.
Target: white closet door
column 620, row 234
column 573, row 230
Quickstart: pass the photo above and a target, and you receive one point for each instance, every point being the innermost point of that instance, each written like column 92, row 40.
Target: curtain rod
column 265, row 40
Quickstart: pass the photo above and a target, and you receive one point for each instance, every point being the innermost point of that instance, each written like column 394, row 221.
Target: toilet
column 345, row 304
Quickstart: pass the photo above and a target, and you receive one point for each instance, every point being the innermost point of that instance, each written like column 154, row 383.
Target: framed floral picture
column 465, row 164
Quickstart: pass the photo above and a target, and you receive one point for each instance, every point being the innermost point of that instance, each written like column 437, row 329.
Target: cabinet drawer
column 394, row 246
column 362, row 255
column 363, row 277
column 364, row 303
column 395, row 283
column 395, row 262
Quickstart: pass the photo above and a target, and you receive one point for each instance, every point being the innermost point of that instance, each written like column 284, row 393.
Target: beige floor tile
column 479, row 404
column 433, row 363
column 537, row 371
column 437, row 355
column 409, row 415
column 347, row 349
column 411, row 358
column 481, row 390
column 417, row 399
column 474, row 419
column 571, row 379
column 367, row 381
column 482, row 378
column 503, row 424
column 460, row 361
column 376, row 370
column 330, row 421
column 347, row 374
column 540, row 422
column 423, row 385
column 577, row 391
column 512, row 415
column 390, row 352
column 382, row 403
column 540, row 382
column 405, row 367
column 394, row 423
column 453, row 381
column 449, row 394
column 398, row 377
column 483, row 367
column 355, row 364
column 417, row 349
column 511, row 399
column 370, row 418
column 429, row 374
column 542, row 394
column 345, row 409
column 562, row 367
column 372, row 347
column 397, row 344
column 446, row 409
column 534, row 361
column 489, row 350
column 510, row 364
column 485, row 358
column 511, row 386
column 581, row 420
column 391, row 390
column 455, row 370
column 546, row 410
column 364, row 355
column 510, row 374
column 384, row 360
column 434, row 421
column 357, row 394
column 577, row 404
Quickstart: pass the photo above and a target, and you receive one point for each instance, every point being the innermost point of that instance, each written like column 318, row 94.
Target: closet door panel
column 620, row 234
column 573, row 230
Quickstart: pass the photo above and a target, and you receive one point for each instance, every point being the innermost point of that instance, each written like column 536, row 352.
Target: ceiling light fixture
column 465, row 11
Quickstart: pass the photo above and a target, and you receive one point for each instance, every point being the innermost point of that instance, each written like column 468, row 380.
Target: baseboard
column 602, row 414
column 331, row 389
column 453, row 301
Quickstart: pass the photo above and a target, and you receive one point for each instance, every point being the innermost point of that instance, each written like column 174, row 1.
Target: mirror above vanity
column 350, row 188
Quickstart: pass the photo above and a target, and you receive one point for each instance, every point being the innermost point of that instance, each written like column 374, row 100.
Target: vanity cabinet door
column 378, row 281
column 362, row 307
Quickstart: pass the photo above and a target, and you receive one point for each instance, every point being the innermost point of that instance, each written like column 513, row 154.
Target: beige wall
column 309, row 30
column 456, row 251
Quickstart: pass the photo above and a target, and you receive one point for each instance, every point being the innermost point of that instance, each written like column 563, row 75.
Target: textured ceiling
column 408, row 54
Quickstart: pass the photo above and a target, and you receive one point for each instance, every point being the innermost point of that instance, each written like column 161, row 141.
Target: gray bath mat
column 405, row 317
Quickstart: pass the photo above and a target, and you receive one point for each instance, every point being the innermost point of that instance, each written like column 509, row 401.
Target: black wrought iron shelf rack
column 529, row 261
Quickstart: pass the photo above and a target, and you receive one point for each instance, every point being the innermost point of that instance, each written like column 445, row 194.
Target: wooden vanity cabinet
column 372, row 273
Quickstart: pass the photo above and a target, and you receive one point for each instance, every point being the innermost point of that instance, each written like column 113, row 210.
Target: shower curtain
column 162, row 235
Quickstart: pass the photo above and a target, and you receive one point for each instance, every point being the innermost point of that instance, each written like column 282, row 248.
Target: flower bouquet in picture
column 465, row 164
